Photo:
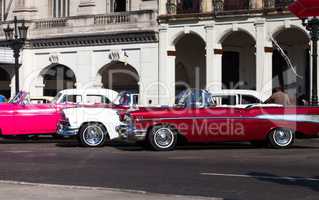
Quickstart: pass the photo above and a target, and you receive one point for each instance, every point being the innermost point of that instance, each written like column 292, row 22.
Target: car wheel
column 93, row 135
column 281, row 138
column 162, row 138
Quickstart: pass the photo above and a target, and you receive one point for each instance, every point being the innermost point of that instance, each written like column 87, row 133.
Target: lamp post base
column 314, row 101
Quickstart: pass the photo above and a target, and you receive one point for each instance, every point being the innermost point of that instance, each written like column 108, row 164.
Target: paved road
column 230, row 171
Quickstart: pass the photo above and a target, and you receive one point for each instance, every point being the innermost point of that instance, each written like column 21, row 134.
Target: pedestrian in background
column 279, row 96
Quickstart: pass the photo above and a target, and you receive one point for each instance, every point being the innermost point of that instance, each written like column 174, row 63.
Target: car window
column 91, row 98
column 248, row 99
column 135, row 99
column 38, row 101
column 72, row 99
column 225, row 99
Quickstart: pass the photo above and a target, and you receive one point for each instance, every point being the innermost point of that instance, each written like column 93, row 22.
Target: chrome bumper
column 128, row 132
column 65, row 130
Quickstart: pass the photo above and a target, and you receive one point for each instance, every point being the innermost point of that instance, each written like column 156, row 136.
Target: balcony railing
column 243, row 6
column 52, row 23
column 116, row 18
column 225, row 6
column 121, row 21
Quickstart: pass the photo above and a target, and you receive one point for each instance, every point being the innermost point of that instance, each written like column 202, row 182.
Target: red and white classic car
column 202, row 121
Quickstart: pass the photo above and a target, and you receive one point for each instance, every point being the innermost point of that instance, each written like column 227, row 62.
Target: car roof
column 90, row 90
column 238, row 92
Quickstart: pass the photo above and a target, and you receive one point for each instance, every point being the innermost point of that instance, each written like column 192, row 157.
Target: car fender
column 105, row 116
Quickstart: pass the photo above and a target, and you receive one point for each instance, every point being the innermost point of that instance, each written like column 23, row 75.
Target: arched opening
column 295, row 43
column 119, row 5
column 239, row 61
column 190, row 63
column 5, row 81
column 120, row 77
column 56, row 78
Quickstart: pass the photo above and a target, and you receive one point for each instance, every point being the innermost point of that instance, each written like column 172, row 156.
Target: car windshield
column 56, row 98
column 21, row 97
column 194, row 98
column 126, row 99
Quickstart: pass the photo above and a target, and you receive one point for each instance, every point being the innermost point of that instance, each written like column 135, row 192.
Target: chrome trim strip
column 296, row 118
column 291, row 117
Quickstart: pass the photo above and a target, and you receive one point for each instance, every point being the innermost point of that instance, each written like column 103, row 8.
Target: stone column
column 213, row 60
column 162, row 7
column 83, row 71
column 263, row 59
column 167, row 55
column 207, row 6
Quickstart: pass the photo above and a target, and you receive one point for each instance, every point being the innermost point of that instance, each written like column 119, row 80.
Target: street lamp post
column 308, row 12
column 16, row 38
column 312, row 25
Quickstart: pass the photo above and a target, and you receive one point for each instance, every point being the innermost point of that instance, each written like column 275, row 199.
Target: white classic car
column 85, row 96
column 93, row 127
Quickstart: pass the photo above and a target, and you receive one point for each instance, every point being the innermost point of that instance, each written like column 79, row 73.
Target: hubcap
column 282, row 137
column 93, row 135
column 164, row 137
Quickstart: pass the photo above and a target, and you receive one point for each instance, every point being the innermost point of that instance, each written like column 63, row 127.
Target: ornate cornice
column 94, row 40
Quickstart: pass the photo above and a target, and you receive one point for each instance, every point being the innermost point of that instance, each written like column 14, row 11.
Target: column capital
column 163, row 27
column 259, row 22
column 209, row 25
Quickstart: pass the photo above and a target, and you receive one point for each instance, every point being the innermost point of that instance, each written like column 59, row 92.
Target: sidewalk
column 11, row 190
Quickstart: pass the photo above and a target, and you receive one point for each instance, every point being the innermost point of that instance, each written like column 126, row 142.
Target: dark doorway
column 120, row 6
column 230, row 69
column 5, row 83
column 120, row 77
column 236, row 4
column 190, row 63
column 189, row 6
column 57, row 78
column 280, row 66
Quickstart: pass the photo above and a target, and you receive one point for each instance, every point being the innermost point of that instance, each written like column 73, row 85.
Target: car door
column 35, row 119
column 219, row 124
column 7, row 123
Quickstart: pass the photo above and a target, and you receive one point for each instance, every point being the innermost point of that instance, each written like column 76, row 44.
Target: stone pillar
column 207, row 6
column 148, row 77
column 162, row 7
column 213, row 60
column 263, row 59
column 83, row 71
column 167, row 55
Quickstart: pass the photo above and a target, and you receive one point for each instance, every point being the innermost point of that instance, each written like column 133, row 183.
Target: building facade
column 83, row 44
column 232, row 44
column 158, row 47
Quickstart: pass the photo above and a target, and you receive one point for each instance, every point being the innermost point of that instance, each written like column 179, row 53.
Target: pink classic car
column 19, row 117
column 197, row 118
